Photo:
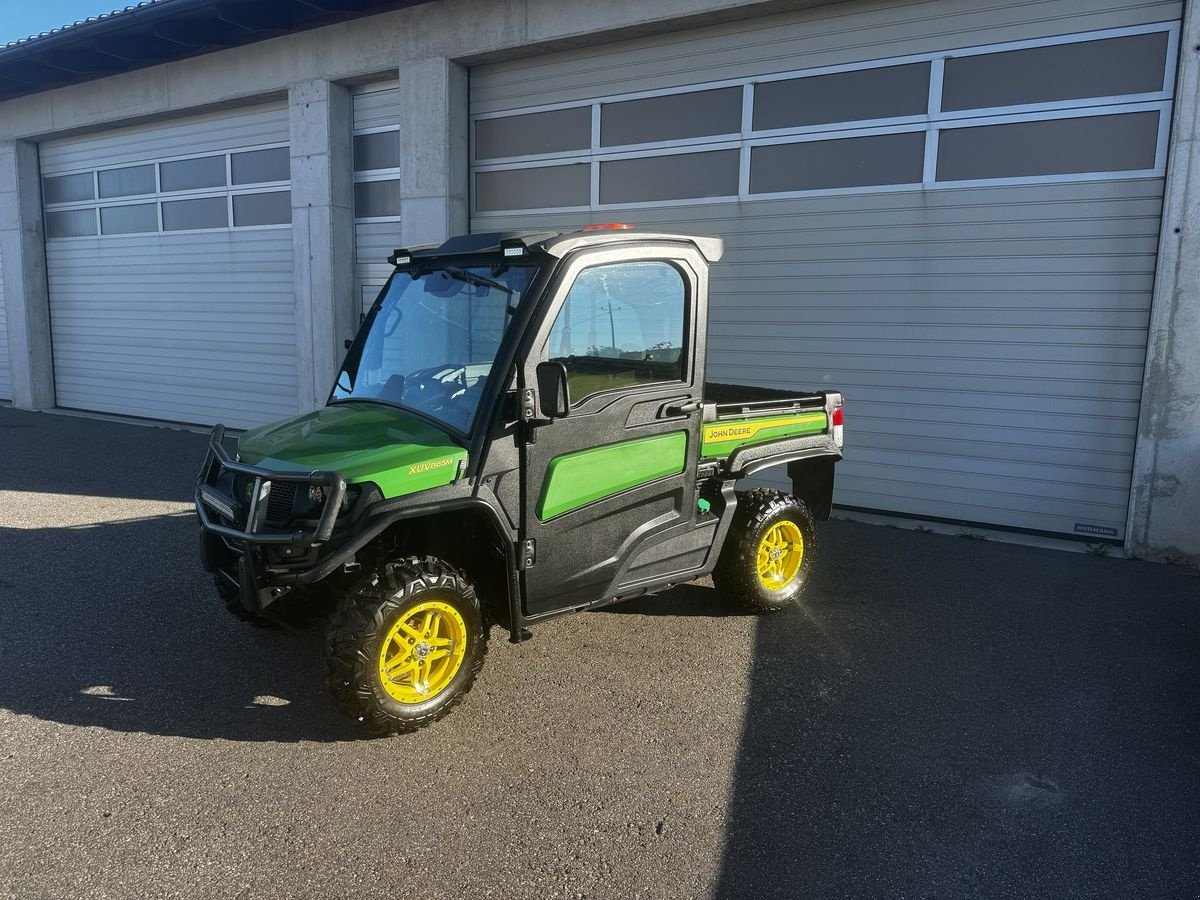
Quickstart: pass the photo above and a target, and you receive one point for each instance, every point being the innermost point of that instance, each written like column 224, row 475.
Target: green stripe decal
column 576, row 479
column 722, row 438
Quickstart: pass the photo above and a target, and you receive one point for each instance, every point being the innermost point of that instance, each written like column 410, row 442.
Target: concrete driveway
column 943, row 718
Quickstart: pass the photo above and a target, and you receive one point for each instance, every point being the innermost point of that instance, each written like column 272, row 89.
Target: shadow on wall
column 937, row 723
column 90, row 637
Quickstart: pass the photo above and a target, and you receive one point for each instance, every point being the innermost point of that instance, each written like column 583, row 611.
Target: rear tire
column 769, row 552
column 405, row 646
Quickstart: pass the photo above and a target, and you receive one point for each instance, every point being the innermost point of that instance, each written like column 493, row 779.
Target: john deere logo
column 721, row 434
column 426, row 466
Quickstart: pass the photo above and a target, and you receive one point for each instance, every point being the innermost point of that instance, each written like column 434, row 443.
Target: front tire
column 769, row 552
column 231, row 598
column 406, row 646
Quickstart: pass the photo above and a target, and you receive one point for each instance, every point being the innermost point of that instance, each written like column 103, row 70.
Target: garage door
column 169, row 257
column 951, row 217
column 5, row 375
column 376, row 116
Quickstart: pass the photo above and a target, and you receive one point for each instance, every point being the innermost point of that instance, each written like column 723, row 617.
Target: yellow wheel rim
column 423, row 652
column 780, row 554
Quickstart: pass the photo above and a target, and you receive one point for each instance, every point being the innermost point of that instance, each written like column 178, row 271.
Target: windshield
column 432, row 338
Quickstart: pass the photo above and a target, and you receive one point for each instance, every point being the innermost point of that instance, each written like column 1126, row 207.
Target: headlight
column 316, row 495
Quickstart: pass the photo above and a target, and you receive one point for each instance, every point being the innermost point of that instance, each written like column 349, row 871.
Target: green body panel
column 361, row 441
column 722, row 438
column 576, row 479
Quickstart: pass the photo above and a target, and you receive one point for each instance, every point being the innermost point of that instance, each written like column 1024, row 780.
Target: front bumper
column 236, row 542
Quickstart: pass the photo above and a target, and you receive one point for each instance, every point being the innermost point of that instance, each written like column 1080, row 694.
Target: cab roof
column 557, row 243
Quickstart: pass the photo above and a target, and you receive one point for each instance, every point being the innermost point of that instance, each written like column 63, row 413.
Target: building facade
column 976, row 221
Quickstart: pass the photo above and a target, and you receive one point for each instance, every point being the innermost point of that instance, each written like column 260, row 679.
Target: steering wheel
column 427, row 387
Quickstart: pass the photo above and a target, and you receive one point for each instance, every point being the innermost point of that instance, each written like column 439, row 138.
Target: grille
column 280, row 502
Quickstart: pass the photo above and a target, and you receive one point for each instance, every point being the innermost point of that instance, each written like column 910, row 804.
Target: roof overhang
column 160, row 31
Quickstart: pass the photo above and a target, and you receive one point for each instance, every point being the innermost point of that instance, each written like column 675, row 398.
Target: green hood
column 362, row 441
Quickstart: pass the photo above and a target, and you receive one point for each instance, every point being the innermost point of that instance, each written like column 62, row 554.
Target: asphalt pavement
column 942, row 718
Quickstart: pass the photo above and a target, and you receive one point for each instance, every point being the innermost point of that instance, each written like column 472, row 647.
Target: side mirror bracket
column 554, row 396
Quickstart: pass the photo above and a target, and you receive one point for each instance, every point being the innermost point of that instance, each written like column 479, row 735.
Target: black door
column 610, row 487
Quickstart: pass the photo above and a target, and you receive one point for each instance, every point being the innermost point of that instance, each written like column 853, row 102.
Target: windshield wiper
column 477, row 280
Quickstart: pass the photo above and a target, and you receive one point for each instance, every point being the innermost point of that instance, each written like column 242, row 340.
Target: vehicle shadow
column 999, row 722
column 116, row 626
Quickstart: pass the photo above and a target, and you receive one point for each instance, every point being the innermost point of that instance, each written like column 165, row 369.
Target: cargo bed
column 747, row 426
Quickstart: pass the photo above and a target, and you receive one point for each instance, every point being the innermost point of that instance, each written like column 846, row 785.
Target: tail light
column 835, row 421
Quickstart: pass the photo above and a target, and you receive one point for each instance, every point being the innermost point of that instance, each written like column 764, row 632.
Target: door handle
column 682, row 409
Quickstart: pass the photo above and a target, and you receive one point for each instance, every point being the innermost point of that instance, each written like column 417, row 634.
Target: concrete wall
column 1165, row 500
column 322, row 232
column 23, row 252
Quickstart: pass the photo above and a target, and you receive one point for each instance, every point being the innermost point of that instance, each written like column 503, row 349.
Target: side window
column 621, row 325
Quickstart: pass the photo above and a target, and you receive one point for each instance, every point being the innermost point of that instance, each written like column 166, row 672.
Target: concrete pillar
column 322, row 232
column 433, row 151
column 23, row 256
column 1164, row 515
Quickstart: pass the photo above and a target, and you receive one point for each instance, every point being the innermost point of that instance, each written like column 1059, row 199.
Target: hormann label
column 426, row 466
column 1102, row 530
column 741, row 431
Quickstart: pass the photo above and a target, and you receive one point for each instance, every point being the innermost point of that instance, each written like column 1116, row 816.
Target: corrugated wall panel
column 825, row 36
column 960, row 376
column 375, row 106
column 990, row 339
column 5, row 375
column 205, row 333
column 194, row 136
column 373, row 244
column 190, row 326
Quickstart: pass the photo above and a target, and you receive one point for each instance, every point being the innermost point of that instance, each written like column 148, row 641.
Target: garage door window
column 621, row 326
column 135, row 219
column 881, row 93
column 1052, row 147
column 130, row 181
column 68, row 188
column 210, row 192
column 1083, row 106
column 534, row 134
column 189, row 215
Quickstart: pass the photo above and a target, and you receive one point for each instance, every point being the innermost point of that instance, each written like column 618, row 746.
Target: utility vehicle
column 520, row 429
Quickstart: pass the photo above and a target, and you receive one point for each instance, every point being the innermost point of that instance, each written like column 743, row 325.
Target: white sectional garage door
column 5, row 374
column 951, row 217
column 169, row 256
column 376, row 116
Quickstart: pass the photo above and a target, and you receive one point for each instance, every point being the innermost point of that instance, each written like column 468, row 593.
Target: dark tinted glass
column 71, row 223
column 1107, row 68
column 842, row 97
column 676, row 177
column 136, row 219
column 187, row 215
column 1052, row 147
column 555, row 131
column 258, row 166
column 127, row 182
column 848, row 162
column 68, row 188
column 376, row 151
column 544, row 187
column 673, row 117
column 274, row 208
column 192, row 174
column 376, row 199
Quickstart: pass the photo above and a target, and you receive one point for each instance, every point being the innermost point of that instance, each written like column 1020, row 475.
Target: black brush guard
column 210, row 499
